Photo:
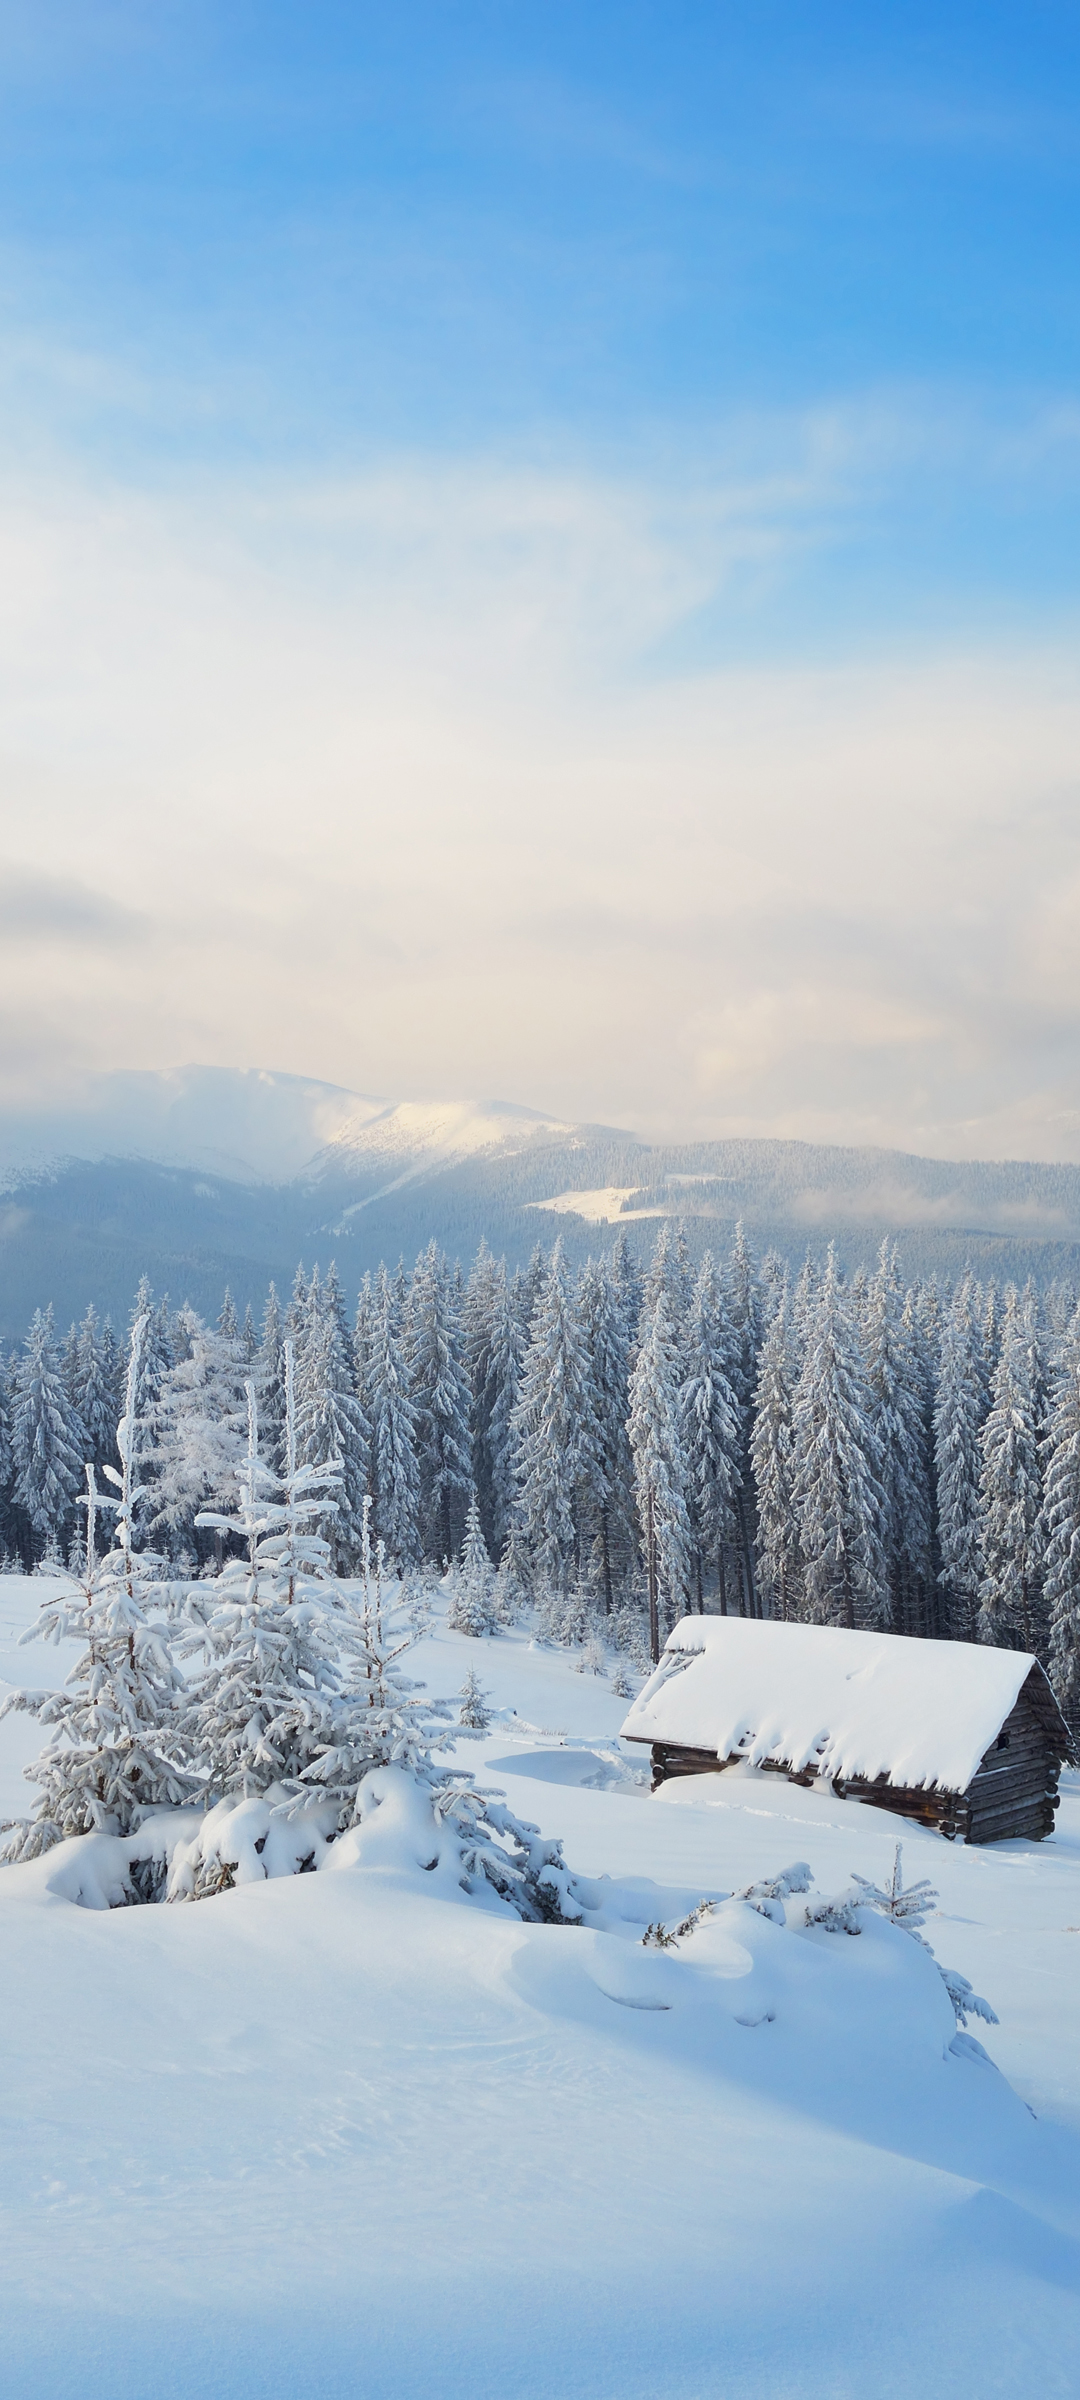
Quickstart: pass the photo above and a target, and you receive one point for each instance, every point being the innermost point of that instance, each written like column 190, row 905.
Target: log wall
column 1012, row 1796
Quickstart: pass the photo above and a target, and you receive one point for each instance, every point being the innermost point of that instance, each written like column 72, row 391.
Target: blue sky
column 711, row 342
column 633, row 236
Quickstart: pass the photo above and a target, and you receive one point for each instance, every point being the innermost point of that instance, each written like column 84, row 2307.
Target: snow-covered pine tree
column 484, row 1296
column 473, row 1712
column 7, row 1525
column 991, row 1327
column 228, row 1323
column 156, row 1356
column 331, row 1422
column 659, row 1457
column 554, row 1431
column 273, row 1631
column 395, row 1469
column 117, row 1730
column 803, row 1305
column 960, row 1409
column 95, row 1392
column 772, row 1459
column 363, row 1335
column 607, row 1343
column 669, row 1271
column 68, row 1352
column 200, row 1423
column 838, row 1496
column 1010, row 1606
column 296, row 1313
column 627, row 1281
column 711, row 1430
column 474, row 1580
column 269, row 1379
column 894, row 1383
column 744, row 1310
column 1061, row 1523
column 440, row 1395
column 505, row 1360
column 47, row 1441
column 530, row 1286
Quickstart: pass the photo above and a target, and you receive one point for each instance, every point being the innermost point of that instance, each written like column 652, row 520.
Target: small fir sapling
column 621, row 1684
column 474, row 1713
column 472, row 1589
column 909, row 1910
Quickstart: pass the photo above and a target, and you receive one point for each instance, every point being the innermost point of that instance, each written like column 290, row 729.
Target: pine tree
column 1061, row 1522
column 710, row 1426
column 441, row 1398
column 772, row 1458
column 1009, row 1498
column 269, row 1379
column 272, row 1632
column 554, row 1430
column 474, row 1709
column 117, row 1729
column 505, row 1361
column 627, row 1283
column 395, row 1469
column 94, row 1394
column 485, row 1302
column 894, row 1383
column 7, row 1525
column 659, row 1463
column 331, row 1423
column 611, row 1484
column 157, row 1356
column 838, row 1496
column 47, row 1439
column 200, row 1424
column 744, row 1312
column 471, row 1598
column 960, row 1410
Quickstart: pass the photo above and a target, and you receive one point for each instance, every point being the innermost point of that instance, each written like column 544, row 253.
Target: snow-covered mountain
column 203, row 1175
column 245, row 1124
column 249, row 1125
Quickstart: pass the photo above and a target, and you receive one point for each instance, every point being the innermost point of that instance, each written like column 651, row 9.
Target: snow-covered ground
column 343, row 2135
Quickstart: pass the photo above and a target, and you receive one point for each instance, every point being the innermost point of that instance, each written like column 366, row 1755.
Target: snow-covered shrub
column 663, row 1937
column 768, row 1898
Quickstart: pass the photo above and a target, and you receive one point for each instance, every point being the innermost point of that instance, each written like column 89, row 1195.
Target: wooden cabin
column 963, row 1737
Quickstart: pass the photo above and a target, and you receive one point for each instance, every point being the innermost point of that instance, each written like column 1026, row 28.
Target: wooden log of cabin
column 962, row 1738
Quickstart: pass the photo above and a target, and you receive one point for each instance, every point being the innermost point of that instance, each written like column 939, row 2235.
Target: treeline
column 863, row 1453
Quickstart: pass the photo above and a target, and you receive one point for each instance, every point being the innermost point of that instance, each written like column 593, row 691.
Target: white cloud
column 384, row 765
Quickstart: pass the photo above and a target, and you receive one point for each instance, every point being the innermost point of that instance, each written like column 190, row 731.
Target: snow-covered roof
column 849, row 1704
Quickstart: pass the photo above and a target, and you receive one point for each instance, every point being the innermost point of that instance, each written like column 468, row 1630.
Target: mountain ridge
column 387, row 1176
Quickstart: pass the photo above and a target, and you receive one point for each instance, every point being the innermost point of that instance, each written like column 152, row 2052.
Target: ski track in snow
column 330, row 2137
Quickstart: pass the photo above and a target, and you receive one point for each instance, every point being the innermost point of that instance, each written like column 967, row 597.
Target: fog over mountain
column 202, row 1177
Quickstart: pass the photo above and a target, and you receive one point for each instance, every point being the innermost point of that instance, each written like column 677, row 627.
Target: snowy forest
column 615, row 1447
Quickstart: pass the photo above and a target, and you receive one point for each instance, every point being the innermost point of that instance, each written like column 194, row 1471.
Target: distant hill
column 201, row 1177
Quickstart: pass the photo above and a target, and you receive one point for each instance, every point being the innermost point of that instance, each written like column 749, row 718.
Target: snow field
column 347, row 2133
